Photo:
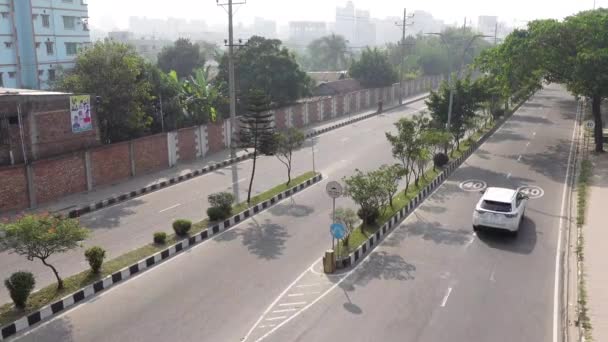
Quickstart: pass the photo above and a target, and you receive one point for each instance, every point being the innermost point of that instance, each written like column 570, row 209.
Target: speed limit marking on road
column 533, row 192
column 473, row 185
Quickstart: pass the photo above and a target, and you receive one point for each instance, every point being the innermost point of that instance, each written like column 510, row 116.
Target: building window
column 8, row 44
column 40, row 72
column 37, row 45
column 12, row 74
column 1, row 79
column 34, row 16
column 49, row 48
column 4, row 14
column 46, row 22
column 69, row 1
column 51, row 74
column 69, row 23
column 71, row 49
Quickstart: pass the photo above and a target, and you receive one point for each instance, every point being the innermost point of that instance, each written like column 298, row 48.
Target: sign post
column 334, row 190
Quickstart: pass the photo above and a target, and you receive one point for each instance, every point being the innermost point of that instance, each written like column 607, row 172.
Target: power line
column 404, row 26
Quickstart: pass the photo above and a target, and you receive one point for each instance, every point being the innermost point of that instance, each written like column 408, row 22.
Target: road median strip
column 48, row 302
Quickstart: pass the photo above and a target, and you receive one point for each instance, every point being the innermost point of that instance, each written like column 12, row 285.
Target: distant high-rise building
column 304, row 32
column 387, row 31
column 424, row 22
column 354, row 25
column 345, row 21
column 40, row 36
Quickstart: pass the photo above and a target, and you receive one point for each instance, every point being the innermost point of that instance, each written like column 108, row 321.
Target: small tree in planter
column 39, row 237
column 20, row 286
column 366, row 190
column 221, row 206
column 95, row 256
column 286, row 143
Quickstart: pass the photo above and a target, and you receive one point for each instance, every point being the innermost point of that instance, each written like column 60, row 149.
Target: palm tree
column 329, row 52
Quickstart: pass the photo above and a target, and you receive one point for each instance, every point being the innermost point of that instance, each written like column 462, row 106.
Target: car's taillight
column 510, row 215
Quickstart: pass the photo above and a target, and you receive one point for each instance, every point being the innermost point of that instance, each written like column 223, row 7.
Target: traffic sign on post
column 590, row 125
column 338, row 231
column 334, row 189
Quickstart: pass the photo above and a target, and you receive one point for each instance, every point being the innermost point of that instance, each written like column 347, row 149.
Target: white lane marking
column 171, row 207
column 292, row 304
column 509, row 175
column 528, row 144
column 308, row 285
column 344, row 139
column 296, row 295
column 492, row 279
column 276, row 318
column 445, row 298
column 534, row 134
column 519, row 158
column 241, row 180
column 284, row 310
column 559, row 239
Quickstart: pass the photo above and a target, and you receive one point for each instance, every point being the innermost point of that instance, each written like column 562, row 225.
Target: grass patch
column 582, row 193
column 49, row 294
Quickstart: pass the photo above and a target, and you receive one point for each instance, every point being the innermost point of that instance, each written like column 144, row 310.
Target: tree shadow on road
column 524, row 243
column 291, row 209
column 110, row 217
column 383, row 266
column 492, row 178
column 266, row 240
column 552, row 162
column 531, row 119
column 59, row 330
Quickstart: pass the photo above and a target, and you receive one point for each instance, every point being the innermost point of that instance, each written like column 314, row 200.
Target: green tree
column 183, row 57
column 286, row 143
column 468, row 99
column 256, row 130
column 39, row 237
column 407, row 144
column 266, row 66
column 328, row 53
column 374, row 69
column 389, row 176
column 435, row 139
column 117, row 74
column 168, row 115
column 20, row 285
column 198, row 98
column 366, row 190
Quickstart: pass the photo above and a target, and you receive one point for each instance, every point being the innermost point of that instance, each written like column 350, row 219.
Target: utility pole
column 231, row 91
column 404, row 26
column 496, row 35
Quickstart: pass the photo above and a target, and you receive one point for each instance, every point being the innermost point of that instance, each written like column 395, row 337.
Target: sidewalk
column 74, row 201
column 596, row 258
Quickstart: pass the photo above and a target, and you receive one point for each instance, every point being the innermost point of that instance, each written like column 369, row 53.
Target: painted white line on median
column 559, row 237
column 171, row 207
column 292, row 304
column 296, row 295
column 509, row 175
column 492, row 279
column 519, row 158
column 276, row 318
column 445, row 298
column 308, row 285
column 284, row 310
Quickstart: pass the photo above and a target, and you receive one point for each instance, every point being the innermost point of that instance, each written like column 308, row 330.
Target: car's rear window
column 496, row 206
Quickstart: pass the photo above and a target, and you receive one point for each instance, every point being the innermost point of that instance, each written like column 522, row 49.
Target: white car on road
column 500, row 208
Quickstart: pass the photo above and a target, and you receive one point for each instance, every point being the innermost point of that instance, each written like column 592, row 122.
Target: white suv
column 500, row 208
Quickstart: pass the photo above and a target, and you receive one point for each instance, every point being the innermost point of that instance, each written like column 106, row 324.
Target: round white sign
column 473, row 185
column 334, row 189
column 590, row 124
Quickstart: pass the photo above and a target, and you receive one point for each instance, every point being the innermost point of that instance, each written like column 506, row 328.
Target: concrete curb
column 132, row 270
column 157, row 186
column 175, row 180
column 358, row 255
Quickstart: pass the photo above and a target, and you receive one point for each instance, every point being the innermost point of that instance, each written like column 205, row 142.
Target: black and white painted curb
column 316, row 132
column 157, row 186
column 130, row 271
column 358, row 254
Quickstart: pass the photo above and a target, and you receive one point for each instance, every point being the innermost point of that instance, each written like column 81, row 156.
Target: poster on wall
column 80, row 110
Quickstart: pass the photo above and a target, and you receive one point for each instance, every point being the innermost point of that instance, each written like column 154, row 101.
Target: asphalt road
column 435, row 280
column 131, row 224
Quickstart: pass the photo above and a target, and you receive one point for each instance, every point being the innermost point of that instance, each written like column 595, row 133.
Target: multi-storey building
column 38, row 38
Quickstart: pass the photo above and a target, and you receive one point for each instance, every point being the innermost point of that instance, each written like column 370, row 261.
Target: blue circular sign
column 338, row 230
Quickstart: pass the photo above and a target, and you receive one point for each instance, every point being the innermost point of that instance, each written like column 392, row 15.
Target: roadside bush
column 369, row 216
column 220, row 206
column 216, row 214
column 440, row 159
column 95, row 256
column 20, row 286
column 160, row 238
column 182, row 227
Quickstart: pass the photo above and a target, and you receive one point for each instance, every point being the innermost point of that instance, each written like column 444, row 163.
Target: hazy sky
column 111, row 14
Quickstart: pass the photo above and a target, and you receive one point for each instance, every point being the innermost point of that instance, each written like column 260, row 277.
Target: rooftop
column 28, row 92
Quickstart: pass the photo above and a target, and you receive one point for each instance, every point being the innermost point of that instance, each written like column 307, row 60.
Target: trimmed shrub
column 216, row 214
column 220, row 206
column 95, row 256
column 182, row 227
column 440, row 159
column 160, row 238
column 20, row 286
column 369, row 216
